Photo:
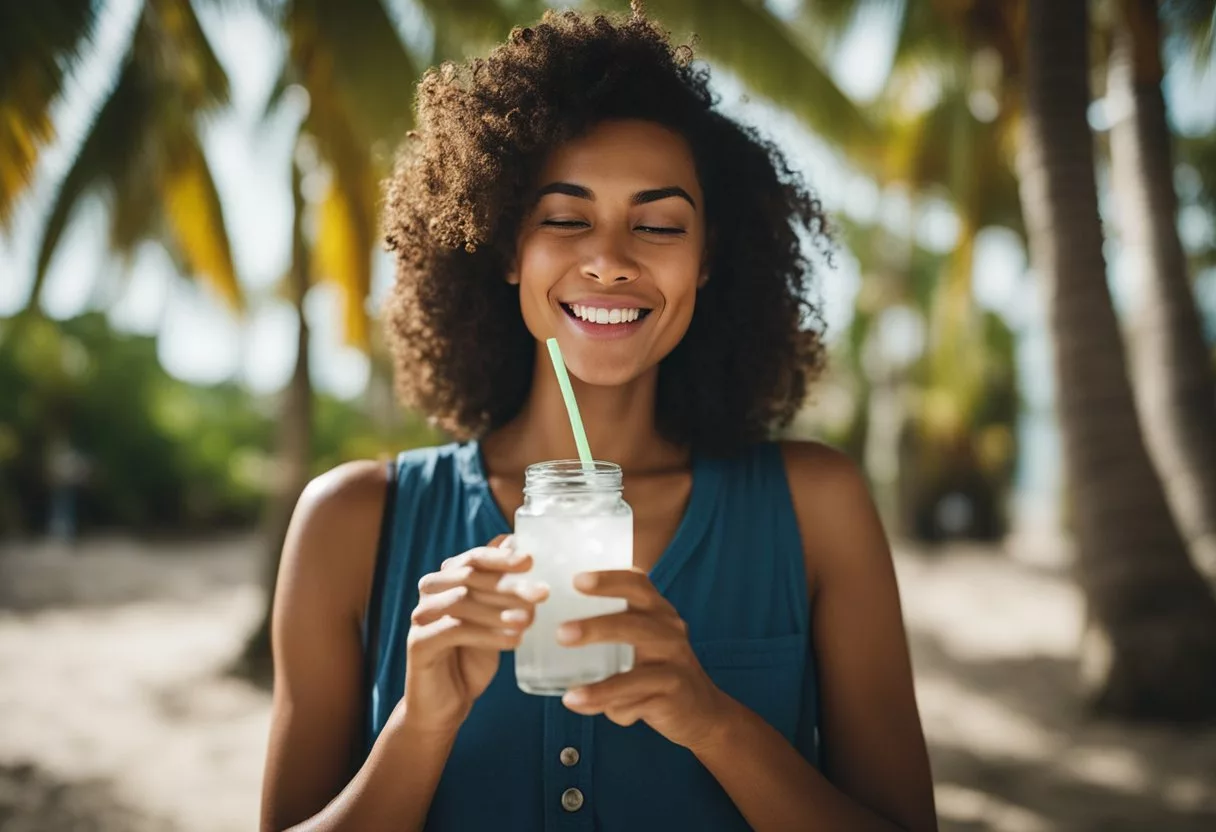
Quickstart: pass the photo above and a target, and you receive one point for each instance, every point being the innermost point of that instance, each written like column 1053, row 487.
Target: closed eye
column 565, row 223
column 652, row 229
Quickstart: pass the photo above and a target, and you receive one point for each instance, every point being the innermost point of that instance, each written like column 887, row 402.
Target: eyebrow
column 640, row 198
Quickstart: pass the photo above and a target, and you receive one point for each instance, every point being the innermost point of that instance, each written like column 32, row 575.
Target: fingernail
column 578, row 696
column 569, row 632
column 533, row 591
column 514, row 616
column 584, row 580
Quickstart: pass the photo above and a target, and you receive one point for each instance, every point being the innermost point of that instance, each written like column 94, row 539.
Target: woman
column 582, row 167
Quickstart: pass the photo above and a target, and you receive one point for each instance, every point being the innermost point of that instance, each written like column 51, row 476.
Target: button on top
column 569, row 756
column 572, row 800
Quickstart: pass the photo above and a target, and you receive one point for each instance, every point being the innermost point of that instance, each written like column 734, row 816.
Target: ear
column 512, row 275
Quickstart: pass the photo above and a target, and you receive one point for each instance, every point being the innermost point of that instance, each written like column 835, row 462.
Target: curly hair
column 461, row 188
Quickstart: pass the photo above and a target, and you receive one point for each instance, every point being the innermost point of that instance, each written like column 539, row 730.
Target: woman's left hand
column 667, row 687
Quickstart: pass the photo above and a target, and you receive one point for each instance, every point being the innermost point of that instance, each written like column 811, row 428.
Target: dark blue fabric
column 735, row 573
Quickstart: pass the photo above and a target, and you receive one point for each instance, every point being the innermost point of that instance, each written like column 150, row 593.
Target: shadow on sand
column 31, row 800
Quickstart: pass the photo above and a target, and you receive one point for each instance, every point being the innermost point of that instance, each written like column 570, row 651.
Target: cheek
column 541, row 264
column 540, row 269
column 677, row 280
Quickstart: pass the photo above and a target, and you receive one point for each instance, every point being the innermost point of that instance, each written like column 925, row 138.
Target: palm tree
column 39, row 45
column 1150, row 643
column 358, row 76
column 1175, row 380
column 143, row 152
column 946, row 116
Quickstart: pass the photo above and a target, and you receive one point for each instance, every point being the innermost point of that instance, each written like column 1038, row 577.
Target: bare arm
column 876, row 770
column 315, row 722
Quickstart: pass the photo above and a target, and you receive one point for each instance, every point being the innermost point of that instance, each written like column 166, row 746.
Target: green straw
column 576, row 421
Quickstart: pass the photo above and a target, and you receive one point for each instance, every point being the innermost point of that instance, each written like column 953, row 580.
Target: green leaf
column 142, row 150
column 40, row 42
column 352, row 62
column 1194, row 21
column 746, row 39
column 110, row 150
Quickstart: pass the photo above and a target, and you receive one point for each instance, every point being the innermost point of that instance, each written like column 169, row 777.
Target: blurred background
column 190, row 279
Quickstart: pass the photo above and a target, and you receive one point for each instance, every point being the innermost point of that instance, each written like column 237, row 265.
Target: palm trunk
column 295, row 449
column 1150, row 642
column 1174, row 382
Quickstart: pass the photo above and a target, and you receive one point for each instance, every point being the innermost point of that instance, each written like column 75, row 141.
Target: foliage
column 162, row 454
column 39, row 42
column 144, row 154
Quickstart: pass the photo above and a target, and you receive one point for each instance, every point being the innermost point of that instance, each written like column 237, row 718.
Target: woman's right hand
column 468, row 612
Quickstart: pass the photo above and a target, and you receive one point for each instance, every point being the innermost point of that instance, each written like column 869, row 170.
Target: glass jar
column 573, row 520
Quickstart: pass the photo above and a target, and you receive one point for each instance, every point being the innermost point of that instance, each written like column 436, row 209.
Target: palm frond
column 350, row 54
column 171, row 42
column 823, row 23
column 748, row 40
column 342, row 253
column 1194, row 21
column 142, row 151
column 278, row 90
column 195, row 218
column 39, row 45
column 110, row 149
column 470, row 27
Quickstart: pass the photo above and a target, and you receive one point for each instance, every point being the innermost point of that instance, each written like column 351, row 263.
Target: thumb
column 503, row 541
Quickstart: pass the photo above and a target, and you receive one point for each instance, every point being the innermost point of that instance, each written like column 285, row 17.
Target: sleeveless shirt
column 735, row 573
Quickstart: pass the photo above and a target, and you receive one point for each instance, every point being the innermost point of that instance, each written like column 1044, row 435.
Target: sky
column 199, row 340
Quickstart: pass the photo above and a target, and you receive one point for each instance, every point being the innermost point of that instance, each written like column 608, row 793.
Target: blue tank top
column 735, row 573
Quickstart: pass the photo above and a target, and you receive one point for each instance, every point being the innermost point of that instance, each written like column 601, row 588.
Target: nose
column 608, row 262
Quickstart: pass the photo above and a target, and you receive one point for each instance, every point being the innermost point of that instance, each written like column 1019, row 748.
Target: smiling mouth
column 605, row 317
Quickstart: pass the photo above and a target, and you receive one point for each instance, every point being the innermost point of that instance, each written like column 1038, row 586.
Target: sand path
column 115, row 713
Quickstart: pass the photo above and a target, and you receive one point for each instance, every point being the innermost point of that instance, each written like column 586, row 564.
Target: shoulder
column 344, row 495
column 331, row 543
column 815, row 464
column 835, row 511
column 823, row 480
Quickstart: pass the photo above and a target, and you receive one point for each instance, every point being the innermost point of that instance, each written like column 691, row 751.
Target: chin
column 602, row 371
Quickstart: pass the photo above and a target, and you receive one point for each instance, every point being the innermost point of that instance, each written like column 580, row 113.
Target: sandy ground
column 116, row 714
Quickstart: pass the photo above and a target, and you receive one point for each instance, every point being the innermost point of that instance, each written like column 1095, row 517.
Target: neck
column 619, row 422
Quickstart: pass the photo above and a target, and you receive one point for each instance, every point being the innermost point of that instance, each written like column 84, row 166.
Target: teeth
column 595, row 315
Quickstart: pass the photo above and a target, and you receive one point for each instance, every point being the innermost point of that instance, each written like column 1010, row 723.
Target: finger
column 626, row 715
column 467, row 609
column 459, row 602
column 631, row 584
column 505, row 588
column 490, row 559
column 435, row 638
column 662, row 635
column 621, row 690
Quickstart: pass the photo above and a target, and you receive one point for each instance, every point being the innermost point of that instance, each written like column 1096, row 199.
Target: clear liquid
column 561, row 547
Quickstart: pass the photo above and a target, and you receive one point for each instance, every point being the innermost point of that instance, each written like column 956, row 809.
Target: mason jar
column 573, row 520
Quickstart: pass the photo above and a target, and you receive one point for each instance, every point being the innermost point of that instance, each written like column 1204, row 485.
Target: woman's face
column 611, row 255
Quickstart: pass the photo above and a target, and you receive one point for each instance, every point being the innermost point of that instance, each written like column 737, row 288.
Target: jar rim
column 571, row 476
column 572, row 466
